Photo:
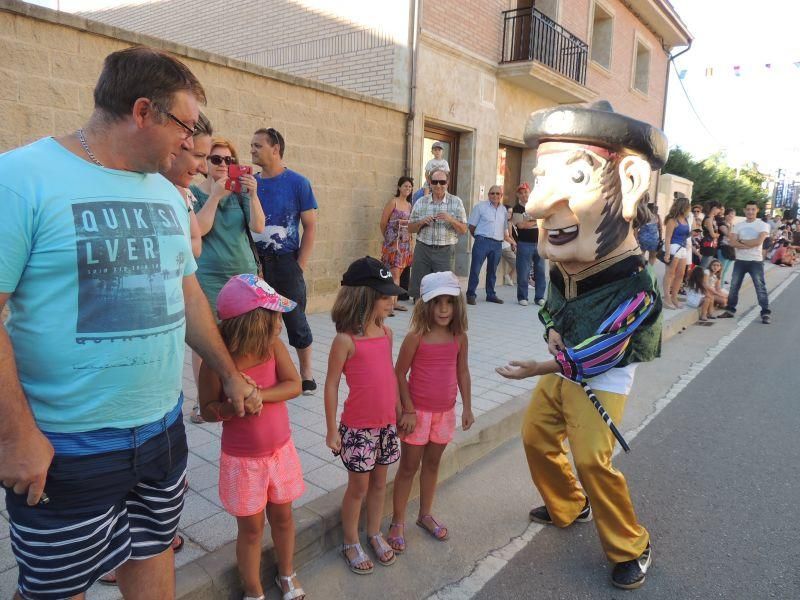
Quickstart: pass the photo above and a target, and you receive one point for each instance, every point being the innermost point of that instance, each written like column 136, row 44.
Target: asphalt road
column 714, row 478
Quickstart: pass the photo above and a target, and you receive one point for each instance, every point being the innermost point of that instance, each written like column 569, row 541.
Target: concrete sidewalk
column 497, row 334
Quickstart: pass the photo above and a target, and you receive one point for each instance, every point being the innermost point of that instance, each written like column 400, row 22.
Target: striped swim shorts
column 103, row 509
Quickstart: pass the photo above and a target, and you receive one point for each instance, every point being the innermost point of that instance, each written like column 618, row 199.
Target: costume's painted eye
column 579, row 175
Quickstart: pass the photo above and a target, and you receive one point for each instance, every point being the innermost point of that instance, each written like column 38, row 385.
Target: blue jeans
column 756, row 270
column 527, row 253
column 484, row 249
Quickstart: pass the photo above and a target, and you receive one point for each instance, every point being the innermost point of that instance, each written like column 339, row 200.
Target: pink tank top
column 258, row 435
column 433, row 384
column 370, row 376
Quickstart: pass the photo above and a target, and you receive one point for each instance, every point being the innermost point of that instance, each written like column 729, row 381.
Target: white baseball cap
column 443, row 283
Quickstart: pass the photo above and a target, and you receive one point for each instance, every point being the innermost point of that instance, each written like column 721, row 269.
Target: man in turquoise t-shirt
column 98, row 273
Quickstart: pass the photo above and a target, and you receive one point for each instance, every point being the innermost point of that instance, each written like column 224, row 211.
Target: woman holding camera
column 227, row 209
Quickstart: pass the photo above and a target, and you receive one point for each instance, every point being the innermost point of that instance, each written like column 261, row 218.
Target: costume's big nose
column 543, row 199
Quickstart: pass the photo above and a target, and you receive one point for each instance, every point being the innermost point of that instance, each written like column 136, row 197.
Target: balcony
column 540, row 55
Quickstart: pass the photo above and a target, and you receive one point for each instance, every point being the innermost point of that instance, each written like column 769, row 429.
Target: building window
column 641, row 68
column 602, row 36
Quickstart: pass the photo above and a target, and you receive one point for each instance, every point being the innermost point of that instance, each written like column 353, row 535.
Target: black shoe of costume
column 540, row 515
column 495, row 299
column 630, row 574
column 309, row 387
column 471, row 300
column 726, row 315
column 766, row 319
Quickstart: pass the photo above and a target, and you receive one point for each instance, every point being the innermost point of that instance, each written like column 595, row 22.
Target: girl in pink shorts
column 435, row 350
column 259, row 466
column 366, row 438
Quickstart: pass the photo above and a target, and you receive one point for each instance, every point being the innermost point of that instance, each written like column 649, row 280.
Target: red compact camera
column 234, row 172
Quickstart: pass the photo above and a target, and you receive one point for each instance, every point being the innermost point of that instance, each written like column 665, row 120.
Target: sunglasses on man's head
column 216, row 159
column 438, row 181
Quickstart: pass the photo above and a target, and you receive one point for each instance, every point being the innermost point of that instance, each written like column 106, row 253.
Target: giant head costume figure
column 593, row 167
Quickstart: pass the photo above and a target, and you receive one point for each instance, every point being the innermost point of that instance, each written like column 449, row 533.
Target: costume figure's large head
column 593, row 167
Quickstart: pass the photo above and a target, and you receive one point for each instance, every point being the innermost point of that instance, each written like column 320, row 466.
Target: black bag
column 253, row 248
column 660, row 255
column 728, row 252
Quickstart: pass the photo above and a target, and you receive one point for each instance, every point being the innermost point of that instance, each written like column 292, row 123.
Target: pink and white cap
column 247, row 292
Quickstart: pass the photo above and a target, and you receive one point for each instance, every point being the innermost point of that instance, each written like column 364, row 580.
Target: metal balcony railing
column 531, row 35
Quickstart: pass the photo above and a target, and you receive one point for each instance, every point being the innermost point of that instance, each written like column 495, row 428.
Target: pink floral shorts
column 247, row 484
column 436, row 427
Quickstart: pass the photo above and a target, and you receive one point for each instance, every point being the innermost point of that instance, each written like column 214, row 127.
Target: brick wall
column 351, row 148
column 279, row 34
column 476, row 25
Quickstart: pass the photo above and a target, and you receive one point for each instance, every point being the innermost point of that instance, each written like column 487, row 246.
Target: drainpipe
column 664, row 108
column 416, row 7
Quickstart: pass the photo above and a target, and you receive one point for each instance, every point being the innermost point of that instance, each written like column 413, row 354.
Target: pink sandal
column 399, row 540
column 437, row 530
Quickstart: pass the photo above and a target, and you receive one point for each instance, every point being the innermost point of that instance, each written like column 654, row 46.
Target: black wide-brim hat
column 597, row 124
column 372, row 273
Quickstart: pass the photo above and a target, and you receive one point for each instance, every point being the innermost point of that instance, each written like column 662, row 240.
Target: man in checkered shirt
column 438, row 220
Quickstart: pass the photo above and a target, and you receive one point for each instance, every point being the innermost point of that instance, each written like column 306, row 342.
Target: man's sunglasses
column 438, row 181
column 216, row 159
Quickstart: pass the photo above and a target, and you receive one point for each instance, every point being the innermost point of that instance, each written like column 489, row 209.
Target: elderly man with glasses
column 488, row 224
column 437, row 220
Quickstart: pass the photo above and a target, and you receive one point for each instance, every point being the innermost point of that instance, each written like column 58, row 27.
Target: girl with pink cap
column 259, row 467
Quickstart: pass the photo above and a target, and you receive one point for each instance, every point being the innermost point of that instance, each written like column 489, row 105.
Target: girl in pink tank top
column 435, row 350
column 259, row 466
column 366, row 437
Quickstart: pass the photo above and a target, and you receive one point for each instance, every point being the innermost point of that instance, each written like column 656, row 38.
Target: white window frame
column 610, row 12
column 638, row 40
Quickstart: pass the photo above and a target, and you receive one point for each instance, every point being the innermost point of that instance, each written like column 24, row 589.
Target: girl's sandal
column 397, row 542
column 359, row 558
column 438, row 531
column 381, row 549
column 292, row 593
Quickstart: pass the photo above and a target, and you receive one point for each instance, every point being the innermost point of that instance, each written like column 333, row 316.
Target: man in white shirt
column 488, row 223
column 747, row 237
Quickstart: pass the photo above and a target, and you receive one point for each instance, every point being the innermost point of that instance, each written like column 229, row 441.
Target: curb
column 318, row 523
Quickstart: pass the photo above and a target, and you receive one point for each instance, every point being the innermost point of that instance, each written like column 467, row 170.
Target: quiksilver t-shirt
column 94, row 260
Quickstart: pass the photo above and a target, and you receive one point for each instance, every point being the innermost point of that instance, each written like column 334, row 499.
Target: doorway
column 449, row 141
column 509, row 171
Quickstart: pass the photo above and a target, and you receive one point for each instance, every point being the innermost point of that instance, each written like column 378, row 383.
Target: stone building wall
column 351, row 147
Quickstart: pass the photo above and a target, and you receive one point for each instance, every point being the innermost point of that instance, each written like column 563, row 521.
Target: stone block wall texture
column 351, row 149
column 285, row 35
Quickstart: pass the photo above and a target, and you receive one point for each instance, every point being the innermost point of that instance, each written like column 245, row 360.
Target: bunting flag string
column 738, row 70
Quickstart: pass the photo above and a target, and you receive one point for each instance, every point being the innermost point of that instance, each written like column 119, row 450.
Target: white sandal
column 359, row 558
column 292, row 593
column 246, row 597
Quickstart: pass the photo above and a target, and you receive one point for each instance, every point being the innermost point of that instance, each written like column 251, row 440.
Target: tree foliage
column 714, row 180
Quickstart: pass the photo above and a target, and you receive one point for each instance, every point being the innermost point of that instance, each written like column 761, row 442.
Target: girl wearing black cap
column 366, row 438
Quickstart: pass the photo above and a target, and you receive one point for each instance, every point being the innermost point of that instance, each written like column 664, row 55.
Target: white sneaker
column 523, row 302
column 507, row 280
column 540, row 302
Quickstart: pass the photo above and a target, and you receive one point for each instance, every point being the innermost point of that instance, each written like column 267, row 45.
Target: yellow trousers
column 560, row 409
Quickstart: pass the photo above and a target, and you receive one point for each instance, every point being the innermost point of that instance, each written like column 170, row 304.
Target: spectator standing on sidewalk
column 725, row 252
column 525, row 232
column 91, row 363
column 437, row 219
column 747, row 238
column 288, row 202
column 675, row 254
column 709, row 242
column 488, row 224
column 396, row 252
